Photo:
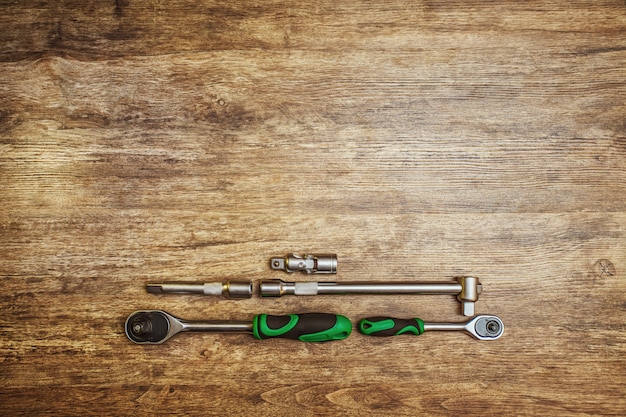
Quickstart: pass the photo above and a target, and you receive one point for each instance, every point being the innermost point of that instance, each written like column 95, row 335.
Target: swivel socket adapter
column 311, row 264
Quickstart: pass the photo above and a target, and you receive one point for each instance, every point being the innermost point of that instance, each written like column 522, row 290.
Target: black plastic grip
column 307, row 327
column 389, row 326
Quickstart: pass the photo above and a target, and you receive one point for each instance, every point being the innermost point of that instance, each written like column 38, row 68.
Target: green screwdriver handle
column 307, row 327
column 388, row 326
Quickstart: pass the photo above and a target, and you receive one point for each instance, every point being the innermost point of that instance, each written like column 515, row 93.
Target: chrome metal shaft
column 231, row 289
column 219, row 326
column 387, row 288
column 444, row 326
column 483, row 327
column 156, row 326
column 467, row 289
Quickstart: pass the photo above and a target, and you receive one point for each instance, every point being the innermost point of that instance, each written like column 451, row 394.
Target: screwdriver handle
column 307, row 327
column 389, row 326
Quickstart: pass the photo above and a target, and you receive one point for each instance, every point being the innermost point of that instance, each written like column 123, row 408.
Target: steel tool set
column 156, row 326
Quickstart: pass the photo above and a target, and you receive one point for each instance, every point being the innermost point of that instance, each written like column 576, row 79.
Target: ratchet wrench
column 154, row 327
column 482, row 327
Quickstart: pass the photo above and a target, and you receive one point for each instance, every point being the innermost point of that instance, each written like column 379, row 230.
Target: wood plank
column 188, row 140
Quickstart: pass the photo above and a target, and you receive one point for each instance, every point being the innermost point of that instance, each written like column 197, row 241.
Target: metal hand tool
column 230, row 289
column 311, row 264
column 153, row 327
column 481, row 327
column 467, row 289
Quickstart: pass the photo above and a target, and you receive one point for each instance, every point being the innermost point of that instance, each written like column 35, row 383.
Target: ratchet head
column 485, row 327
column 151, row 327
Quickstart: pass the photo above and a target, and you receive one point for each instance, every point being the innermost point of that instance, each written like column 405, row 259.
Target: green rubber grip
column 307, row 327
column 389, row 326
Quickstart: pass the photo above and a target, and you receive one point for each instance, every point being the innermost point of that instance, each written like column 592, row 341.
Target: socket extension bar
column 466, row 289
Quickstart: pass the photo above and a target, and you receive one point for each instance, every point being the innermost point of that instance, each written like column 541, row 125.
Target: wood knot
column 603, row 268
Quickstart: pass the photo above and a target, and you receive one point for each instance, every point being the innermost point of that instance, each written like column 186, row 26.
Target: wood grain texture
column 194, row 140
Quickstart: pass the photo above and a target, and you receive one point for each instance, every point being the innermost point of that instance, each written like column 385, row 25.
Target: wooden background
column 193, row 140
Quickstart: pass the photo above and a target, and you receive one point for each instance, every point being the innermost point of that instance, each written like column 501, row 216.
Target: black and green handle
column 388, row 326
column 307, row 327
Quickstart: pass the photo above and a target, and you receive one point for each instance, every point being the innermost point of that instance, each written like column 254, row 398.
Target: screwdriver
column 154, row 327
column 481, row 327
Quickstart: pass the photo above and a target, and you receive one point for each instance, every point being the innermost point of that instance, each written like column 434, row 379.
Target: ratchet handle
column 307, row 327
column 389, row 326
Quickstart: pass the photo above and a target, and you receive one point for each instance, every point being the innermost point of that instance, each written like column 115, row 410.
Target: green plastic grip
column 307, row 327
column 389, row 326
